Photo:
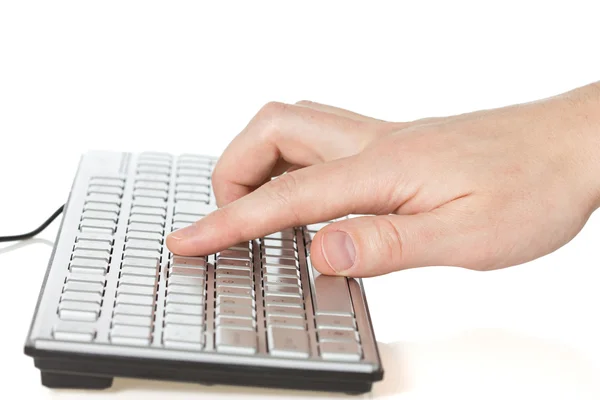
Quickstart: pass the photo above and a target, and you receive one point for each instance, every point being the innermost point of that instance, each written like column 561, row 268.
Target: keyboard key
column 189, row 196
column 104, row 198
column 235, row 312
column 289, row 322
column 335, row 322
column 76, row 310
column 92, row 287
column 135, row 320
column 189, row 309
column 138, row 271
column 150, row 193
column 341, row 351
column 138, row 280
column 95, row 237
column 125, row 288
column 184, row 319
column 156, row 237
column 154, row 169
column 183, row 333
column 89, row 263
column 182, row 280
column 92, row 254
column 100, row 224
column 234, row 264
column 282, row 280
column 270, row 270
column 234, row 273
column 73, row 332
column 192, row 189
column 287, row 234
column 279, row 290
column 150, row 202
column 143, row 245
column 129, row 261
column 190, row 262
column 87, row 297
column 152, row 255
column 289, row 244
column 185, row 299
column 288, row 253
column 237, row 341
column 239, row 323
column 193, row 180
column 144, row 210
column 337, row 335
column 104, row 189
column 236, row 291
column 189, row 207
column 184, row 289
column 184, row 271
column 235, row 282
column 124, row 298
column 98, row 206
column 149, row 185
column 287, row 342
column 108, row 181
column 77, row 270
column 104, row 215
column 93, row 245
column 332, row 295
column 188, row 219
column 235, row 255
column 131, row 309
column 281, row 311
column 230, row 301
column 143, row 227
column 279, row 261
column 149, row 219
column 129, row 334
column 284, row 301
column 153, row 177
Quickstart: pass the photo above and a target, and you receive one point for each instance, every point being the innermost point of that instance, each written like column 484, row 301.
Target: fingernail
column 185, row 233
column 339, row 251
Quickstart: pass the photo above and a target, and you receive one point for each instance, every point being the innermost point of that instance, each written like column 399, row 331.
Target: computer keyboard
column 116, row 303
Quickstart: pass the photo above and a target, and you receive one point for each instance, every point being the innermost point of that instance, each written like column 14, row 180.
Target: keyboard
column 115, row 302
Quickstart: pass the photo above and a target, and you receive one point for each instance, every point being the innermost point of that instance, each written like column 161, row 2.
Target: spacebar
column 332, row 296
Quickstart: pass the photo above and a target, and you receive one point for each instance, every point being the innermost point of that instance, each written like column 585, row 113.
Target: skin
column 483, row 190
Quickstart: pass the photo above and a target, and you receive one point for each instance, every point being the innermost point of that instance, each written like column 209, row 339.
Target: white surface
column 77, row 75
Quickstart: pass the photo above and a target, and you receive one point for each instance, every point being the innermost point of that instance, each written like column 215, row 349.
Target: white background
column 185, row 76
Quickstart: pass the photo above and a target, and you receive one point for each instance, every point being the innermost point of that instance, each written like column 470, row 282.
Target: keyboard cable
column 35, row 231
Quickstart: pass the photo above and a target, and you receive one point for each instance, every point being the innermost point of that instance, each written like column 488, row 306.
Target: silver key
column 131, row 309
column 109, row 226
column 150, row 193
column 282, row 280
column 179, row 225
column 96, row 237
column 149, row 219
column 193, row 180
column 282, row 311
column 86, row 278
column 135, row 289
column 140, row 262
column 185, row 299
column 234, row 273
column 287, row 234
column 154, row 169
column 73, row 332
column 287, row 342
column 77, row 270
column 188, row 207
column 77, row 315
column 289, row 322
column 124, row 298
column 189, row 262
column 89, row 263
column 202, row 170
column 341, row 351
column 92, row 245
column 194, row 271
column 143, row 245
column 149, row 202
column 230, row 301
column 185, row 219
column 148, row 185
column 290, row 244
column 187, row 196
column 235, row 291
column 107, row 181
column 182, row 280
column 156, row 237
column 153, row 177
column 235, row 254
column 87, row 297
column 143, row 254
column 135, row 320
column 279, row 261
column 97, row 206
column 183, row 188
column 142, row 227
column 138, row 272
column 128, row 334
column 102, row 189
column 243, row 323
column 228, row 311
column 238, row 341
column 104, row 198
column 92, row 254
column 184, row 319
column 281, row 270
column 189, row 309
column 332, row 295
column 234, row 263
column 144, row 210
column 284, row 301
column 92, row 287
column 104, row 215
column 182, row 289
column 138, row 280
column 235, row 282
column 92, row 310
column 183, row 333
column 92, row 229
column 279, row 290
column 288, row 253
column 336, row 322
column 337, row 335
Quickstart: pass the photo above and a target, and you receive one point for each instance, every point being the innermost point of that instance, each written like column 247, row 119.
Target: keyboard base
column 78, row 371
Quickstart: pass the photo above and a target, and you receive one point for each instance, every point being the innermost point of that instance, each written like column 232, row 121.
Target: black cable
column 36, row 231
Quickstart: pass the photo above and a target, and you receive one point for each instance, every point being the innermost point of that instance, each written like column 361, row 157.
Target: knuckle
column 282, row 191
column 269, row 116
column 390, row 241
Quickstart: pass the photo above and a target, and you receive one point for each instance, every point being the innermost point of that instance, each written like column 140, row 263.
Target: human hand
column 483, row 191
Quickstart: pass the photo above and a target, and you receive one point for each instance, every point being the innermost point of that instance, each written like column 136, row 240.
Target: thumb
column 377, row 245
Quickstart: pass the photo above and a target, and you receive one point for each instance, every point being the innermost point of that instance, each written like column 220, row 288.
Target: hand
column 483, row 191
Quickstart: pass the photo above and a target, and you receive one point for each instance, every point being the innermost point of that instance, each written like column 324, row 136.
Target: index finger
column 314, row 194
